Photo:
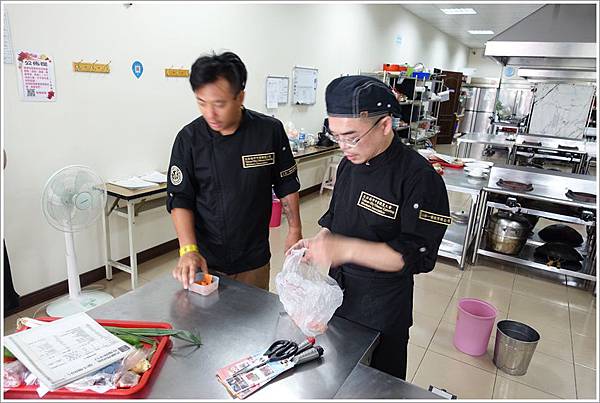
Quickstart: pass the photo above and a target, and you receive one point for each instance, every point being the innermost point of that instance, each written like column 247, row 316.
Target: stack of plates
column 478, row 169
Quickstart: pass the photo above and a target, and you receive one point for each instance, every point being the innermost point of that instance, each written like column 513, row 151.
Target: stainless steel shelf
column 525, row 258
column 453, row 243
column 552, row 216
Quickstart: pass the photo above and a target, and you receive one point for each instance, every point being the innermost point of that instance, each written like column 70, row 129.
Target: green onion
column 8, row 354
column 145, row 333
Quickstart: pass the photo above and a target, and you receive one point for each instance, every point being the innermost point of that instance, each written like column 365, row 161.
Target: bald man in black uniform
column 387, row 217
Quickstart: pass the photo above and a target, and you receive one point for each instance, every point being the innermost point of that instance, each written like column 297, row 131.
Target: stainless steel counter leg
column 480, row 223
column 132, row 255
column 107, row 254
column 468, row 235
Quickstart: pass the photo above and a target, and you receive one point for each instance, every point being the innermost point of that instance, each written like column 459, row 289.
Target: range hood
column 558, row 42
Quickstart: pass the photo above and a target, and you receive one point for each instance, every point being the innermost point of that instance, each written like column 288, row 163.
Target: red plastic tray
column 435, row 160
column 29, row 392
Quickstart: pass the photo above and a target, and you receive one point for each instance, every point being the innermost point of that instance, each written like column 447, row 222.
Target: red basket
column 29, row 392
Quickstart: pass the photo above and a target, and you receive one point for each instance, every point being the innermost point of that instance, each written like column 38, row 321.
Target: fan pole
column 72, row 271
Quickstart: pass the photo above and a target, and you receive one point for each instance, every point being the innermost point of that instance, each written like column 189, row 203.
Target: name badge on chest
column 377, row 205
column 258, row 160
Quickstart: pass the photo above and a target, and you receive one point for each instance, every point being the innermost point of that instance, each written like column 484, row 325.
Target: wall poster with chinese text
column 36, row 77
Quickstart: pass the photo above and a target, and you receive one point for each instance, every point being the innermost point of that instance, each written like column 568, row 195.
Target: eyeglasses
column 349, row 142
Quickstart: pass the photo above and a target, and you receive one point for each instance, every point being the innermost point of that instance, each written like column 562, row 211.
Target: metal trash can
column 515, row 344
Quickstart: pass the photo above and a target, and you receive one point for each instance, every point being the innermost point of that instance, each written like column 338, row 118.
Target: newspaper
column 67, row 349
column 243, row 385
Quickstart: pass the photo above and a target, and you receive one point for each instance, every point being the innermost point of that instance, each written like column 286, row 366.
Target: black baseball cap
column 360, row 96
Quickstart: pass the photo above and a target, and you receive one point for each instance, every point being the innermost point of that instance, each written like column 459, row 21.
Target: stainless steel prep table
column 458, row 237
column 469, row 139
column 232, row 322
column 369, row 383
column 552, row 148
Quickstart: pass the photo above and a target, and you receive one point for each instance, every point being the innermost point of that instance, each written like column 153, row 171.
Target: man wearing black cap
column 224, row 166
column 387, row 216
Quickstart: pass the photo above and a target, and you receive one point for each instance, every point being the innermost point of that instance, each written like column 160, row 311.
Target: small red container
column 275, row 214
column 29, row 392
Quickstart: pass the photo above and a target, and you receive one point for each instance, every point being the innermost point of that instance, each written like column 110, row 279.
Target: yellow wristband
column 187, row 249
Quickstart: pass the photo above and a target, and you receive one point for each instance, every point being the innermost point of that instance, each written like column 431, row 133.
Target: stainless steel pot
column 507, row 232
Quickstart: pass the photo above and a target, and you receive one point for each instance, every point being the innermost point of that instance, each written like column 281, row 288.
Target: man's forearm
column 376, row 255
column 291, row 209
column 183, row 220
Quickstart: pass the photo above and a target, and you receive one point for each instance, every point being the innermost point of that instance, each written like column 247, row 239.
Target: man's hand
column 305, row 243
column 328, row 250
column 185, row 272
column 325, row 249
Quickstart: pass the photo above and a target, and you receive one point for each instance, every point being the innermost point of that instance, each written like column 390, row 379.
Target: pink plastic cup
column 275, row 214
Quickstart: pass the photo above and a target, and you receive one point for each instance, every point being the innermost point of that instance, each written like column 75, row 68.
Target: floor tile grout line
column 436, row 329
column 528, row 385
column 572, row 346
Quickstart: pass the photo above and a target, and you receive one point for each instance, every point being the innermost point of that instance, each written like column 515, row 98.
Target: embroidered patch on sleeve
column 377, row 205
column 289, row 171
column 436, row 218
column 258, row 160
column 176, row 175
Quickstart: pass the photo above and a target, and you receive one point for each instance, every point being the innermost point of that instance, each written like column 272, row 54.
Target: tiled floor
column 563, row 366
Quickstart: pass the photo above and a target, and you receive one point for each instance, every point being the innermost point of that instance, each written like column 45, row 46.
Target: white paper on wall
column 305, row 85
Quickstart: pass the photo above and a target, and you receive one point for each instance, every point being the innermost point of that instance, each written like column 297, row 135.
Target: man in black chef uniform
column 224, row 166
column 386, row 219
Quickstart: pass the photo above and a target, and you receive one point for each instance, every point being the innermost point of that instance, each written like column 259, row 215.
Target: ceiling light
column 458, row 11
column 481, row 32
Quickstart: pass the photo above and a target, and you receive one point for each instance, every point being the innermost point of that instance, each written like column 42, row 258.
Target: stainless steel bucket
column 515, row 345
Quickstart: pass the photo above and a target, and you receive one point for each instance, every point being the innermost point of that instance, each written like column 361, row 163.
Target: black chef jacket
column 399, row 199
column 227, row 181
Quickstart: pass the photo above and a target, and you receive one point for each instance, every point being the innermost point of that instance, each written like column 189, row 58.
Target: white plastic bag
column 309, row 297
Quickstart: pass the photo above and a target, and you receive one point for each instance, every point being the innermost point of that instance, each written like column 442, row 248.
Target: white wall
column 120, row 125
column 484, row 66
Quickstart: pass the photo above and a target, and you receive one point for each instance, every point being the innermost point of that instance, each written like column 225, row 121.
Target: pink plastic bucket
column 275, row 214
column 474, row 324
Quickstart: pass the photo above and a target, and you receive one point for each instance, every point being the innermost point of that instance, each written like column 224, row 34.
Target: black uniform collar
column 381, row 159
column 246, row 117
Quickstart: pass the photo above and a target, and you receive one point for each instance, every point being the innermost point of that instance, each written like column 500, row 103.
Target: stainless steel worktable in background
column 469, row 139
column 369, row 383
column 235, row 321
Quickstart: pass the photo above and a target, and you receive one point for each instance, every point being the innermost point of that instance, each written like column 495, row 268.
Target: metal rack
column 421, row 110
column 548, row 200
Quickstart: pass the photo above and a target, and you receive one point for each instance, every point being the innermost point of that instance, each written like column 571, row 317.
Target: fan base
column 86, row 301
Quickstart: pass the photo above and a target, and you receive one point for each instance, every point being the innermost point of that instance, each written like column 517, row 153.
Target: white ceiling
column 495, row 17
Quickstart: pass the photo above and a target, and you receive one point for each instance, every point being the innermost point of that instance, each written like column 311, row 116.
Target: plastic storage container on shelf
column 421, row 75
column 393, row 67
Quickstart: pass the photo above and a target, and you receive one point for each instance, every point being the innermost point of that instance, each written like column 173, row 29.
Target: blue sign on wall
column 137, row 69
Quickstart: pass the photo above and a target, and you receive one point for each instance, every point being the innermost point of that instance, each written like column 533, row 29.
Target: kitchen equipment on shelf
column 561, row 233
column 559, row 255
column 507, row 232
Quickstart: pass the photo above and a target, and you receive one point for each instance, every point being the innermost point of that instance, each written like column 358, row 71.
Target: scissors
column 280, row 350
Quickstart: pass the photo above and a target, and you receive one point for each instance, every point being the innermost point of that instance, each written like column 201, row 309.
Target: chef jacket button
column 422, row 249
column 416, row 206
